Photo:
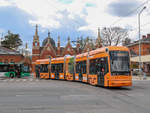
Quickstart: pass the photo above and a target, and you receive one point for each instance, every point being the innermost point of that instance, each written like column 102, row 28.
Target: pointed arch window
column 35, row 43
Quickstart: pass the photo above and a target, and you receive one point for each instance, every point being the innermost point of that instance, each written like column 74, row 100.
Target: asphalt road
column 54, row 96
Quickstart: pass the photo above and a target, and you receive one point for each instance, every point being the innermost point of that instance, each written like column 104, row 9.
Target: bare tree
column 113, row 36
column 89, row 40
column 126, row 41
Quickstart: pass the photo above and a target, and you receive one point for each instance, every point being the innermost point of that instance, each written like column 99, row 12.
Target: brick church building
column 49, row 48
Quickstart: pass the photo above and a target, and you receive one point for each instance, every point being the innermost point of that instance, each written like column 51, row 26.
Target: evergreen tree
column 11, row 41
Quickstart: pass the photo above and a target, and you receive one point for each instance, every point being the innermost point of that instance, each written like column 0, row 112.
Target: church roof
column 52, row 42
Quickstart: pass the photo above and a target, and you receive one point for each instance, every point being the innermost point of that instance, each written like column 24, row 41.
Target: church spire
column 98, row 32
column 68, row 39
column 98, row 41
column 78, row 45
column 26, row 46
column 36, row 42
column 36, row 30
column 48, row 36
column 58, row 46
column 26, row 49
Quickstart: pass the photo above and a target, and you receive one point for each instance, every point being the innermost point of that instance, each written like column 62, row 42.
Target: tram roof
column 103, row 49
column 59, row 58
column 93, row 52
column 42, row 61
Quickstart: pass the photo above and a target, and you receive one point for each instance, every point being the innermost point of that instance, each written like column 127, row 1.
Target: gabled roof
column 145, row 40
column 6, row 51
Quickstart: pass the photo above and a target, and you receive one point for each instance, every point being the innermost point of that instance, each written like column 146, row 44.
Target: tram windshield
column 120, row 62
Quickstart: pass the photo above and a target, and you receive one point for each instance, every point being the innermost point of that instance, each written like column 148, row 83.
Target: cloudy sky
column 72, row 18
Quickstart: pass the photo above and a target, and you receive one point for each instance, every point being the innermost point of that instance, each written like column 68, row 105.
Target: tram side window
column 99, row 65
column 106, row 65
column 53, row 68
column 93, row 66
column 12, row 68
column 59, row 68
column 25, row 68
column 44, row 68
column 4, row 68
column 84, row 67
column 78, row 67
column 102, row 65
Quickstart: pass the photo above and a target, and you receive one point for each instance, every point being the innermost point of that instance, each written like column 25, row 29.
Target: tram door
column 57, row 71
column 102, row 69
column 80, row 71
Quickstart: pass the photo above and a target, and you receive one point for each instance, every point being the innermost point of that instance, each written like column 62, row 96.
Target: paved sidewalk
column 140, row 78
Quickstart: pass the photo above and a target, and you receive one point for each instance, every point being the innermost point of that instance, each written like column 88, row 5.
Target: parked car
column 135, row 72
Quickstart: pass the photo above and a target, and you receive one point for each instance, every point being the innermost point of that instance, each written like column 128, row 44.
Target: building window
column 148, row 50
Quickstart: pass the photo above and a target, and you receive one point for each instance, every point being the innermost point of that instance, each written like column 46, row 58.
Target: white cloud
column 49, row 13
column 5, row 3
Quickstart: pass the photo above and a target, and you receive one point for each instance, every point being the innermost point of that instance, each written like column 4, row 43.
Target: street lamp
column 140, row 63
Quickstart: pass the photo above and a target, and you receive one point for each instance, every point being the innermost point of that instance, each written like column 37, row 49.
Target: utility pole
column 139, row 24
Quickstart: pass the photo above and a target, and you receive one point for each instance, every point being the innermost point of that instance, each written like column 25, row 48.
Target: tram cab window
column 44, row 68
column 120, row 62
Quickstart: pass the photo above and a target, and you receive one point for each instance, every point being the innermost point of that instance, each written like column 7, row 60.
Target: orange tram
column 108, row 67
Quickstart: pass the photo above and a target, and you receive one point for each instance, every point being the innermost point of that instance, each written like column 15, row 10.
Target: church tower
column 58, row 46
column 98, row 40
column 35, row 46
column 78, row 46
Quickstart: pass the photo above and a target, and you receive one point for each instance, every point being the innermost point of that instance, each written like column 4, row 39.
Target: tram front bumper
column 119, row 83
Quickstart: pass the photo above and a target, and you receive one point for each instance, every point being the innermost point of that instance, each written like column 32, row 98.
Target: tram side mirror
column 106, row 50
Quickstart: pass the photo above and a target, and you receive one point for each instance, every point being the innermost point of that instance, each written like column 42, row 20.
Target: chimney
column 143, row 37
